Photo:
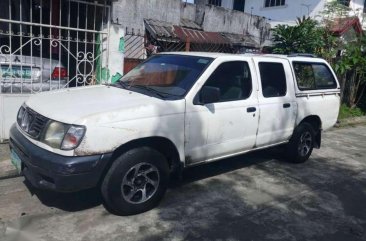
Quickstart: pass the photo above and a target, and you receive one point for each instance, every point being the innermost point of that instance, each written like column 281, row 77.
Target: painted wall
column 288, row 13
column 9, row 106
column 357, row 6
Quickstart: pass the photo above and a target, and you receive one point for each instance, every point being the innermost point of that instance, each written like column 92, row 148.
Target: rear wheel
column 136, row 181
column 301, row 143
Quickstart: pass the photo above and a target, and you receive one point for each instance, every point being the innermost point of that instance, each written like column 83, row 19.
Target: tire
column 136, row 181
column 301, row 143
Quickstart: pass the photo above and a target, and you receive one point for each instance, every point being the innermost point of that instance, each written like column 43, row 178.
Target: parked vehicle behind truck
column 173, row 111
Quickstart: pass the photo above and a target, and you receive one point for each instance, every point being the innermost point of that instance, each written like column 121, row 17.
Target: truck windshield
column 165, row 76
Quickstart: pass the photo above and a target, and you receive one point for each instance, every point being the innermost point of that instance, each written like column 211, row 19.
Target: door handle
column 286, row 105
column 251, row 109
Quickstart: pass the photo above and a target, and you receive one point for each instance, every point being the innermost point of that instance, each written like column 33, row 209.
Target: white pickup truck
column 173, row 111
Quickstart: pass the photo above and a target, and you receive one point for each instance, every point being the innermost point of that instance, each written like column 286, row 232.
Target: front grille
column 32, row 123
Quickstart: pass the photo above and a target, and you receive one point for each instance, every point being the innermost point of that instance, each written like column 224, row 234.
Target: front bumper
column 48, row 170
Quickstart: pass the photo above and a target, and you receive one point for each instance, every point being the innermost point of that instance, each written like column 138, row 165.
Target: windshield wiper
column 158, row 93
column 122, row 84
column 119, row 84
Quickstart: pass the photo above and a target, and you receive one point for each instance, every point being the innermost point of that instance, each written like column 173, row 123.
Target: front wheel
column 136, row 181
column 301, row 143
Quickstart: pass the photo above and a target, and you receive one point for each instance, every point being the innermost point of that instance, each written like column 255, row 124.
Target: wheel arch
column 316, row 123
column 161, row 144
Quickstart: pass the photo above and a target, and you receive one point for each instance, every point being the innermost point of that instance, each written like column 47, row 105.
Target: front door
column 229, row 125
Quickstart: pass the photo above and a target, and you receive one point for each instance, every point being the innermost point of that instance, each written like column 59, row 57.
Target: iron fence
column 52, row 44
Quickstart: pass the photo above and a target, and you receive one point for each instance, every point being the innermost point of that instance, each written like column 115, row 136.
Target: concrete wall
column 130, row 13
column 219, row 19
column 188, row 11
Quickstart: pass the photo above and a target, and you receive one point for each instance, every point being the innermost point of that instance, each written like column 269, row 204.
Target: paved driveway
column 250, row 197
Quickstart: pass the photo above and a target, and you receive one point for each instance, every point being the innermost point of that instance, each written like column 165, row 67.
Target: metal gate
column 48, row 45
column 52, row 44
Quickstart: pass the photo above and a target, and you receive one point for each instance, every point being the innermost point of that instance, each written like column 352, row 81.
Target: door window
column 273, row 79
column 233, row 79
column 313, row 76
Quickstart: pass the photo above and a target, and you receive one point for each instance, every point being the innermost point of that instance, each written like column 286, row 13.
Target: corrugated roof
column 241, row 40
column 168, row 31
column 341, row 25
column 186, row 23
column 196, row 36
column 160, row 29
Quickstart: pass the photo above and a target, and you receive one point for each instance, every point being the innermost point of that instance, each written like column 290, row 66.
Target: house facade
column 287, row 11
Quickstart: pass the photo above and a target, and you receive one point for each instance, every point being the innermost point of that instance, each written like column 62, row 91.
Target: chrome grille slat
column 36, row 125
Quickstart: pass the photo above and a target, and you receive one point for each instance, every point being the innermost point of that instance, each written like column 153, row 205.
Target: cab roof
column 218, row 55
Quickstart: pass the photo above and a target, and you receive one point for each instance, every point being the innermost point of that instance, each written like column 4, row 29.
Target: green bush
column 347, row 112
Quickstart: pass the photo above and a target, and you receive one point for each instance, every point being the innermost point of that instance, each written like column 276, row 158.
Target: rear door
column 276, row 101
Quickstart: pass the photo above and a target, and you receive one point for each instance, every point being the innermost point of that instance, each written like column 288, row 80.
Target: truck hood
column 99, row 104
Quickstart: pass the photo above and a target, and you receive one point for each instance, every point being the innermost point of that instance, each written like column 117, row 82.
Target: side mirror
column 209, row 94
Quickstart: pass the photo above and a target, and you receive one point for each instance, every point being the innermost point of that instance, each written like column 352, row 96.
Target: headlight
column 55, row 134
column 63, row 136
column 20, row 115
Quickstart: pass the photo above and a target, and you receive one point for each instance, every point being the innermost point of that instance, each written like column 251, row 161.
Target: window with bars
column 274, row 3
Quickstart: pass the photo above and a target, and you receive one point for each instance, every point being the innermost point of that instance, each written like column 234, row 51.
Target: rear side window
column 273, row 79
column 233, row 79
column 313, row 76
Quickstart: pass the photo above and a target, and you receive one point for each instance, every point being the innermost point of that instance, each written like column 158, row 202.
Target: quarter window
column 312, row 76
column 273, row 79
column 274, row 3
column 233, row 79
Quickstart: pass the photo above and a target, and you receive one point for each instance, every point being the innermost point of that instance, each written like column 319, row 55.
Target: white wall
column 357, row 6
column 286, row 14
column 294, row 8
column 9, row 106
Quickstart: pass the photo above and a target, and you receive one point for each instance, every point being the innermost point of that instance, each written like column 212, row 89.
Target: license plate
column 15, row 159
column 24, row 72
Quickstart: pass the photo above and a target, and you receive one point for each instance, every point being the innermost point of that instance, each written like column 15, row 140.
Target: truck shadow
column 73, row 202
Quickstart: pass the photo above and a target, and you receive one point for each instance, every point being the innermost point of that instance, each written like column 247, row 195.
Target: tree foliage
column 351, row 71
column 308, row 36
column 304, row 37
